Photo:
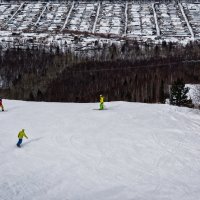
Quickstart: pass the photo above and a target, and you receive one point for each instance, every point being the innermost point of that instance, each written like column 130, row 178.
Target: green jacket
column 22, row 134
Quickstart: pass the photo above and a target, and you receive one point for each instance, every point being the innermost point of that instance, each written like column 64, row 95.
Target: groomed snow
column 132, row 151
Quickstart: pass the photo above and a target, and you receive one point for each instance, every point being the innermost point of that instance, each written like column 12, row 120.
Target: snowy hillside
column 76, row 152
column 56, row 23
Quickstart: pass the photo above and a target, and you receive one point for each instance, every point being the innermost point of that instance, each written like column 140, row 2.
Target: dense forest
column 131, row 72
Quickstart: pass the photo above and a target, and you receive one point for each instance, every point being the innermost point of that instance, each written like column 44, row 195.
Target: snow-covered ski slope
column 132, row 151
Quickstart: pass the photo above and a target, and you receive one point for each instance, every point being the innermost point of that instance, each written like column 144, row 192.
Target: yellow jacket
column 22, row 134
column 101, row 99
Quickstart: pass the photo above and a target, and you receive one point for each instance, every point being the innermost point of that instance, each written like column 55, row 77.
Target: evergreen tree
column 162, row 93
column 178, row 94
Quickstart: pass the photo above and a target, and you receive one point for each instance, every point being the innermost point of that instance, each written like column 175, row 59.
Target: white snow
column 194, row 93
column 45, row 7
column 186, row 20
column 76, row 152
column 66, row 20
column 156, row 20
column 96, row 17
column 16, row 12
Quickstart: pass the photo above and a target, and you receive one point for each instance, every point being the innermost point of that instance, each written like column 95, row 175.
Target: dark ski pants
column 19, row 142
column 2, row 108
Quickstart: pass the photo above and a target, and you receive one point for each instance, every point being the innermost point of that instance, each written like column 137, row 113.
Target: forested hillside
column 133, row 72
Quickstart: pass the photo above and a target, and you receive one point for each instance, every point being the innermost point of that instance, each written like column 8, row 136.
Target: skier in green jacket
column 20, row 136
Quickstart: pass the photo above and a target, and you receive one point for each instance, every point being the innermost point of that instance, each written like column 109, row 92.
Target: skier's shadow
column 99, row 109
column 32, row 140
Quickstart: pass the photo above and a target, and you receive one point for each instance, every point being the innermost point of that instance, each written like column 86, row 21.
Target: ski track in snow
column 129, row 151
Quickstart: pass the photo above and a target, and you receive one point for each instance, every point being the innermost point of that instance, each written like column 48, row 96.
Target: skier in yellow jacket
column 20, row 136
column 101, row 102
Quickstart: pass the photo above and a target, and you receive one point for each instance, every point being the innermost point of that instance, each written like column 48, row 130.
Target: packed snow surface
column 130, row 151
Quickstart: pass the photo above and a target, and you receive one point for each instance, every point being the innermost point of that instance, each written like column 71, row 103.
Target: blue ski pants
column 19, row 142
